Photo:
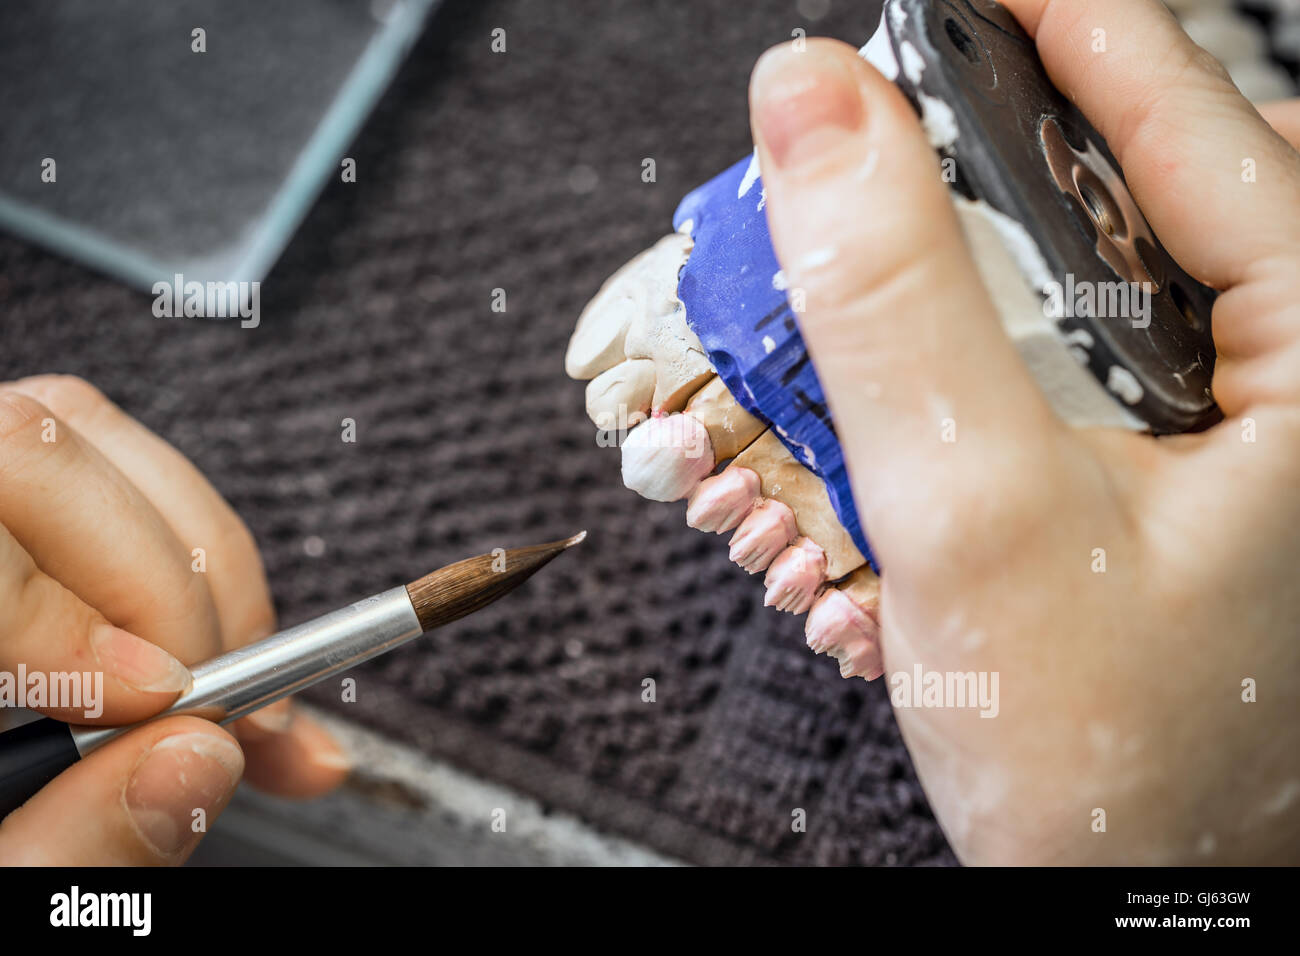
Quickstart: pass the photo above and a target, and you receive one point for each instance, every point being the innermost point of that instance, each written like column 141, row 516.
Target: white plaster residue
column 1080, row 337
column 913, row 64
column 1014, row 272
column 937, row 117
column 1101, row 737
column 816, row 259
column 940, row 407
column 779, row 282
column 637, row 315
column 751, row 176
column 868, row 167
column 1122, row 383
column 1022, row 247
column 687, row 227
column 1079, row 342
column 1284, row 798
column 938, row 121
column 879, row 52
column 768, row 345
column 809, row 458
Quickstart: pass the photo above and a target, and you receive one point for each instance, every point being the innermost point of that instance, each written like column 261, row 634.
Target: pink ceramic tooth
column 666, row 456
column 762, row 535
column 860, row 658
column 794, row 577
column 776, row 599
column 796, row 602
column 839, row 627
column 720, row 503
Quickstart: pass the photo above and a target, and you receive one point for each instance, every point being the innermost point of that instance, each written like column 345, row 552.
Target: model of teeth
column 689, row 438
column 633, row 342
column 648, row 373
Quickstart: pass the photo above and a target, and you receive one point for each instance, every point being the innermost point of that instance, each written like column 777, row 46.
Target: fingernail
column 323, row 749
column 331, row 759
column 181, row 784
column 276, row 718
column 805, row 104
column 138, row 663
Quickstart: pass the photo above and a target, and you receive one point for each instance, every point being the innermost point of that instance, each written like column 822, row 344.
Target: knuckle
column 900, row 254
column 194, row 603
column 17, row 411
column 176, row 611
column 46, row 615
column 71, row 395
column 24, row 590
column 236, row 540
column 884, row 288
column 22, row 421
column 1202, row 65
column 253, row 616
column 254, row 622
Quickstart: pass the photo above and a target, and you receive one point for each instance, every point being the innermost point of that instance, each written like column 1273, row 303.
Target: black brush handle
column 30, row 757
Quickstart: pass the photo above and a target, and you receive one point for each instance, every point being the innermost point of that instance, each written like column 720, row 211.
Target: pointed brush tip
column 578, row 538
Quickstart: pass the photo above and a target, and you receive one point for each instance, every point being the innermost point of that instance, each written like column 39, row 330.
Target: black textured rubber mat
column 519, row 171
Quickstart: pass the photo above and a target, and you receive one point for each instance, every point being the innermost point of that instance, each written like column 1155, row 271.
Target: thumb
column 904, row 337
column 145, row 798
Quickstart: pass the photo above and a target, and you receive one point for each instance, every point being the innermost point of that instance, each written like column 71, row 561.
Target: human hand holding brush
column 1135, row 596
column 98, row 519
column 92, row 533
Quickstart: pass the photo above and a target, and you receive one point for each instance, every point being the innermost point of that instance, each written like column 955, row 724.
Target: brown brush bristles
column 450, row 593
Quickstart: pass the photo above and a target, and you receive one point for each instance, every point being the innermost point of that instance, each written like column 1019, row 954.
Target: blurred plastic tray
column 172, row 161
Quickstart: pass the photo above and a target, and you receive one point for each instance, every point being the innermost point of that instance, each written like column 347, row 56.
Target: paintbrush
column 243, row 680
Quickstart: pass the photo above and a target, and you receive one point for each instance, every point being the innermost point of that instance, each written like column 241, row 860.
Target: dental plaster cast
column 634, row 344
column 693, row 440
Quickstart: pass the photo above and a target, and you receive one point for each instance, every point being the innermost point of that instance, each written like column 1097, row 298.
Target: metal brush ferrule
column 239, row 682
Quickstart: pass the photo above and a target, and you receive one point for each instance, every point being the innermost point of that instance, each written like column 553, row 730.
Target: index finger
column 288, row 754
column 1208, row 172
